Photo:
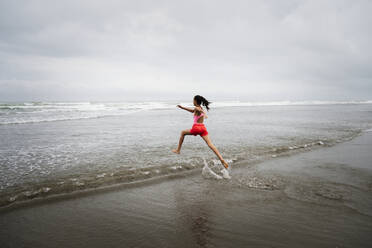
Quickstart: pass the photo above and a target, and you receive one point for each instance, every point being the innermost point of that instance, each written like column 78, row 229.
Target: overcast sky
column 155, row 50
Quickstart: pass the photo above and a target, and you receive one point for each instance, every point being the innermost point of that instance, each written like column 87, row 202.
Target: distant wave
column 285, row 103
column 31, row 112
column 61, row 118
column 83, row 106
column 158, row 104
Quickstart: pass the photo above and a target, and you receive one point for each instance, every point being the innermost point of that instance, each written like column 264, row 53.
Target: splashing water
column 209, row 173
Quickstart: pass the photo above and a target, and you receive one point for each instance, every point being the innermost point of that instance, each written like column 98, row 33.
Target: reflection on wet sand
column 196, row 210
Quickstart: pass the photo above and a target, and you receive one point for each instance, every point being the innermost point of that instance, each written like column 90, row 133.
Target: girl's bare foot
column 176, row 151
column 225, row 164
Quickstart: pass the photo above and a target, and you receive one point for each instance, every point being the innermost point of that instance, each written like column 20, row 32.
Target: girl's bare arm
column 188, row 109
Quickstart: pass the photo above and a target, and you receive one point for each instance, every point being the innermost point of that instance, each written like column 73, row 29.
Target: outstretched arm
column 188, row 109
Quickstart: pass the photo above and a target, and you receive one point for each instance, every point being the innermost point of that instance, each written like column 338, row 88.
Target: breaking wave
column 33, row 112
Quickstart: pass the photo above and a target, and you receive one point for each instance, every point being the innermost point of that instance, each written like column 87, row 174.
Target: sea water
column 58, row 147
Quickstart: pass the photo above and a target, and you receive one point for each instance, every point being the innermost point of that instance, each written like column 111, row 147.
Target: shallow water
column 60, row 147
column 320, row 198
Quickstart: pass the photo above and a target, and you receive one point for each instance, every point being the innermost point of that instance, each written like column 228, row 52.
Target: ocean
column 50, row 148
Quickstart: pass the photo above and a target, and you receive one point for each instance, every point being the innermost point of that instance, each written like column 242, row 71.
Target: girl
column 199, row 129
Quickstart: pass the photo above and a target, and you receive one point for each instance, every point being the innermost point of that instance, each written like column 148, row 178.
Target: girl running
column 198, row 128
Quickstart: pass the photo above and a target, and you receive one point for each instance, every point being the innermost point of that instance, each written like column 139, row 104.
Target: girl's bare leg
column 183, row 133
column 215, row 150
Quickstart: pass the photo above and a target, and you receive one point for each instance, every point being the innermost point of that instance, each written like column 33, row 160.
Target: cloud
column 252, row 50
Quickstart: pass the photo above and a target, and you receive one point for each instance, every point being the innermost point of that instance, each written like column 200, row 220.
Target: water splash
column 208, row 173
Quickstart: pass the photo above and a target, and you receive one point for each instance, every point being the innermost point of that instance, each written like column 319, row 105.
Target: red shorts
column 198, row 128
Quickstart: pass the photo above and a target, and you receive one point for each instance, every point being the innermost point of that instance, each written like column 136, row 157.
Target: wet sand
column 321, row 198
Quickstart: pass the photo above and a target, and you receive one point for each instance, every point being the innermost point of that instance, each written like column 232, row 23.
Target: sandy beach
column 118, row 117
column 320, row 198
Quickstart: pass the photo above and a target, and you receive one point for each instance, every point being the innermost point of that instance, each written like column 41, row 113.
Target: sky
column 264, row 50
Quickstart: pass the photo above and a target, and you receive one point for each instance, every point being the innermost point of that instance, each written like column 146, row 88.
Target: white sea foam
column 283, row 103
column 31, row 112
column 207, row 172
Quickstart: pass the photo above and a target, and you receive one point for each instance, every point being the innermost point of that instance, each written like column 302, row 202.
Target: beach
column 270, row 100
column 52, row 148
column 318, row 198
column 97, row 97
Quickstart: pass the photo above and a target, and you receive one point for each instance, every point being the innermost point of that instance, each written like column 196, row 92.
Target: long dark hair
column 201, row 100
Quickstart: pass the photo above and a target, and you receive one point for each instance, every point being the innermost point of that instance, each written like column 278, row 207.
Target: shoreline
column 41, row 192
column 318, row 198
